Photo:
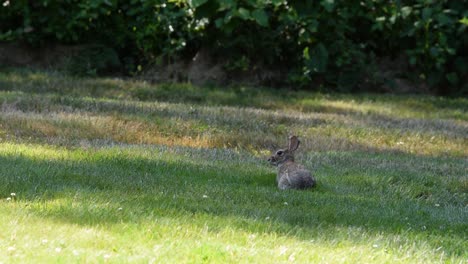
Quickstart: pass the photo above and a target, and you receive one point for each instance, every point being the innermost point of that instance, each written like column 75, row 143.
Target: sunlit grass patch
column 213, row 239
column 127, row 202
column 409, row 106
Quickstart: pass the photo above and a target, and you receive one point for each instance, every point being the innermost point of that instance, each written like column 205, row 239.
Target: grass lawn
column 110, row 170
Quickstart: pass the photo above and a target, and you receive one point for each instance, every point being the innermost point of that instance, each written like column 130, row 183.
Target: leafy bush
column 336, row 41
column 432, row 36
column 317, row 42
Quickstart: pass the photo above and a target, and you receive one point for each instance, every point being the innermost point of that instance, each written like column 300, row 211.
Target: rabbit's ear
column 293, row 143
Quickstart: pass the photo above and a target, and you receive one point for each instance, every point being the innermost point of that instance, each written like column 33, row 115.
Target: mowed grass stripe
column 52, row 117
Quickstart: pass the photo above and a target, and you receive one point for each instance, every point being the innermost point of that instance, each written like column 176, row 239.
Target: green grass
column 108, row 170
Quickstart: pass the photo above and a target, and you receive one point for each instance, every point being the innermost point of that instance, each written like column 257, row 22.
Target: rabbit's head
column 283, row 155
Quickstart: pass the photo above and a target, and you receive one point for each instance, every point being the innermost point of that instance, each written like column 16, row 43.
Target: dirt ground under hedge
column 203, row 69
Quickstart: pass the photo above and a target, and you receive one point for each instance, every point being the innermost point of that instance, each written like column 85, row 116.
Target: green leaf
column 277, row 2
column 226, row 4
column 380, row 19
column 229, row 15
column 313, row 26
column 452, row 78
column 406, row 11
column 444, row 19
column 464, row 21
column 207, row 9
column 318, row 61
column 243, row 13
column 451, row 51
column 305, row 53
column 230, row 26
column 261, row 17
column 377, row 27
column 7, row 36
column 329, row 5
column 219, row 22
column 196, row 3
column 418, row 24
column 426, row 13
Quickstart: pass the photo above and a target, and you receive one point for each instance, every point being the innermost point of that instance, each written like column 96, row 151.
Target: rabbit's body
column 290, row 174
column 294, row 176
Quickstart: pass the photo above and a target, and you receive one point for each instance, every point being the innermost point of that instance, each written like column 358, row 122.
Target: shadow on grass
column 94, row 188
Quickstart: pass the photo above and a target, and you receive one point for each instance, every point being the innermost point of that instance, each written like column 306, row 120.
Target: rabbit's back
column 294, row 176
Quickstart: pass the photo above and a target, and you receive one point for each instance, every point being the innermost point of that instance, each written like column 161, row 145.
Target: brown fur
column 290, row 174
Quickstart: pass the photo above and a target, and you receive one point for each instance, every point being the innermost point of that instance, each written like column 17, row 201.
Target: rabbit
column 290, row 174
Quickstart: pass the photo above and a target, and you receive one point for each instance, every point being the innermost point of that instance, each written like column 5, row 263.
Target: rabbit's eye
column 279, row 153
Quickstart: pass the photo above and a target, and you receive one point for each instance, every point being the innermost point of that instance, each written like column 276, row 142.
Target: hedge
column 329, row 41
